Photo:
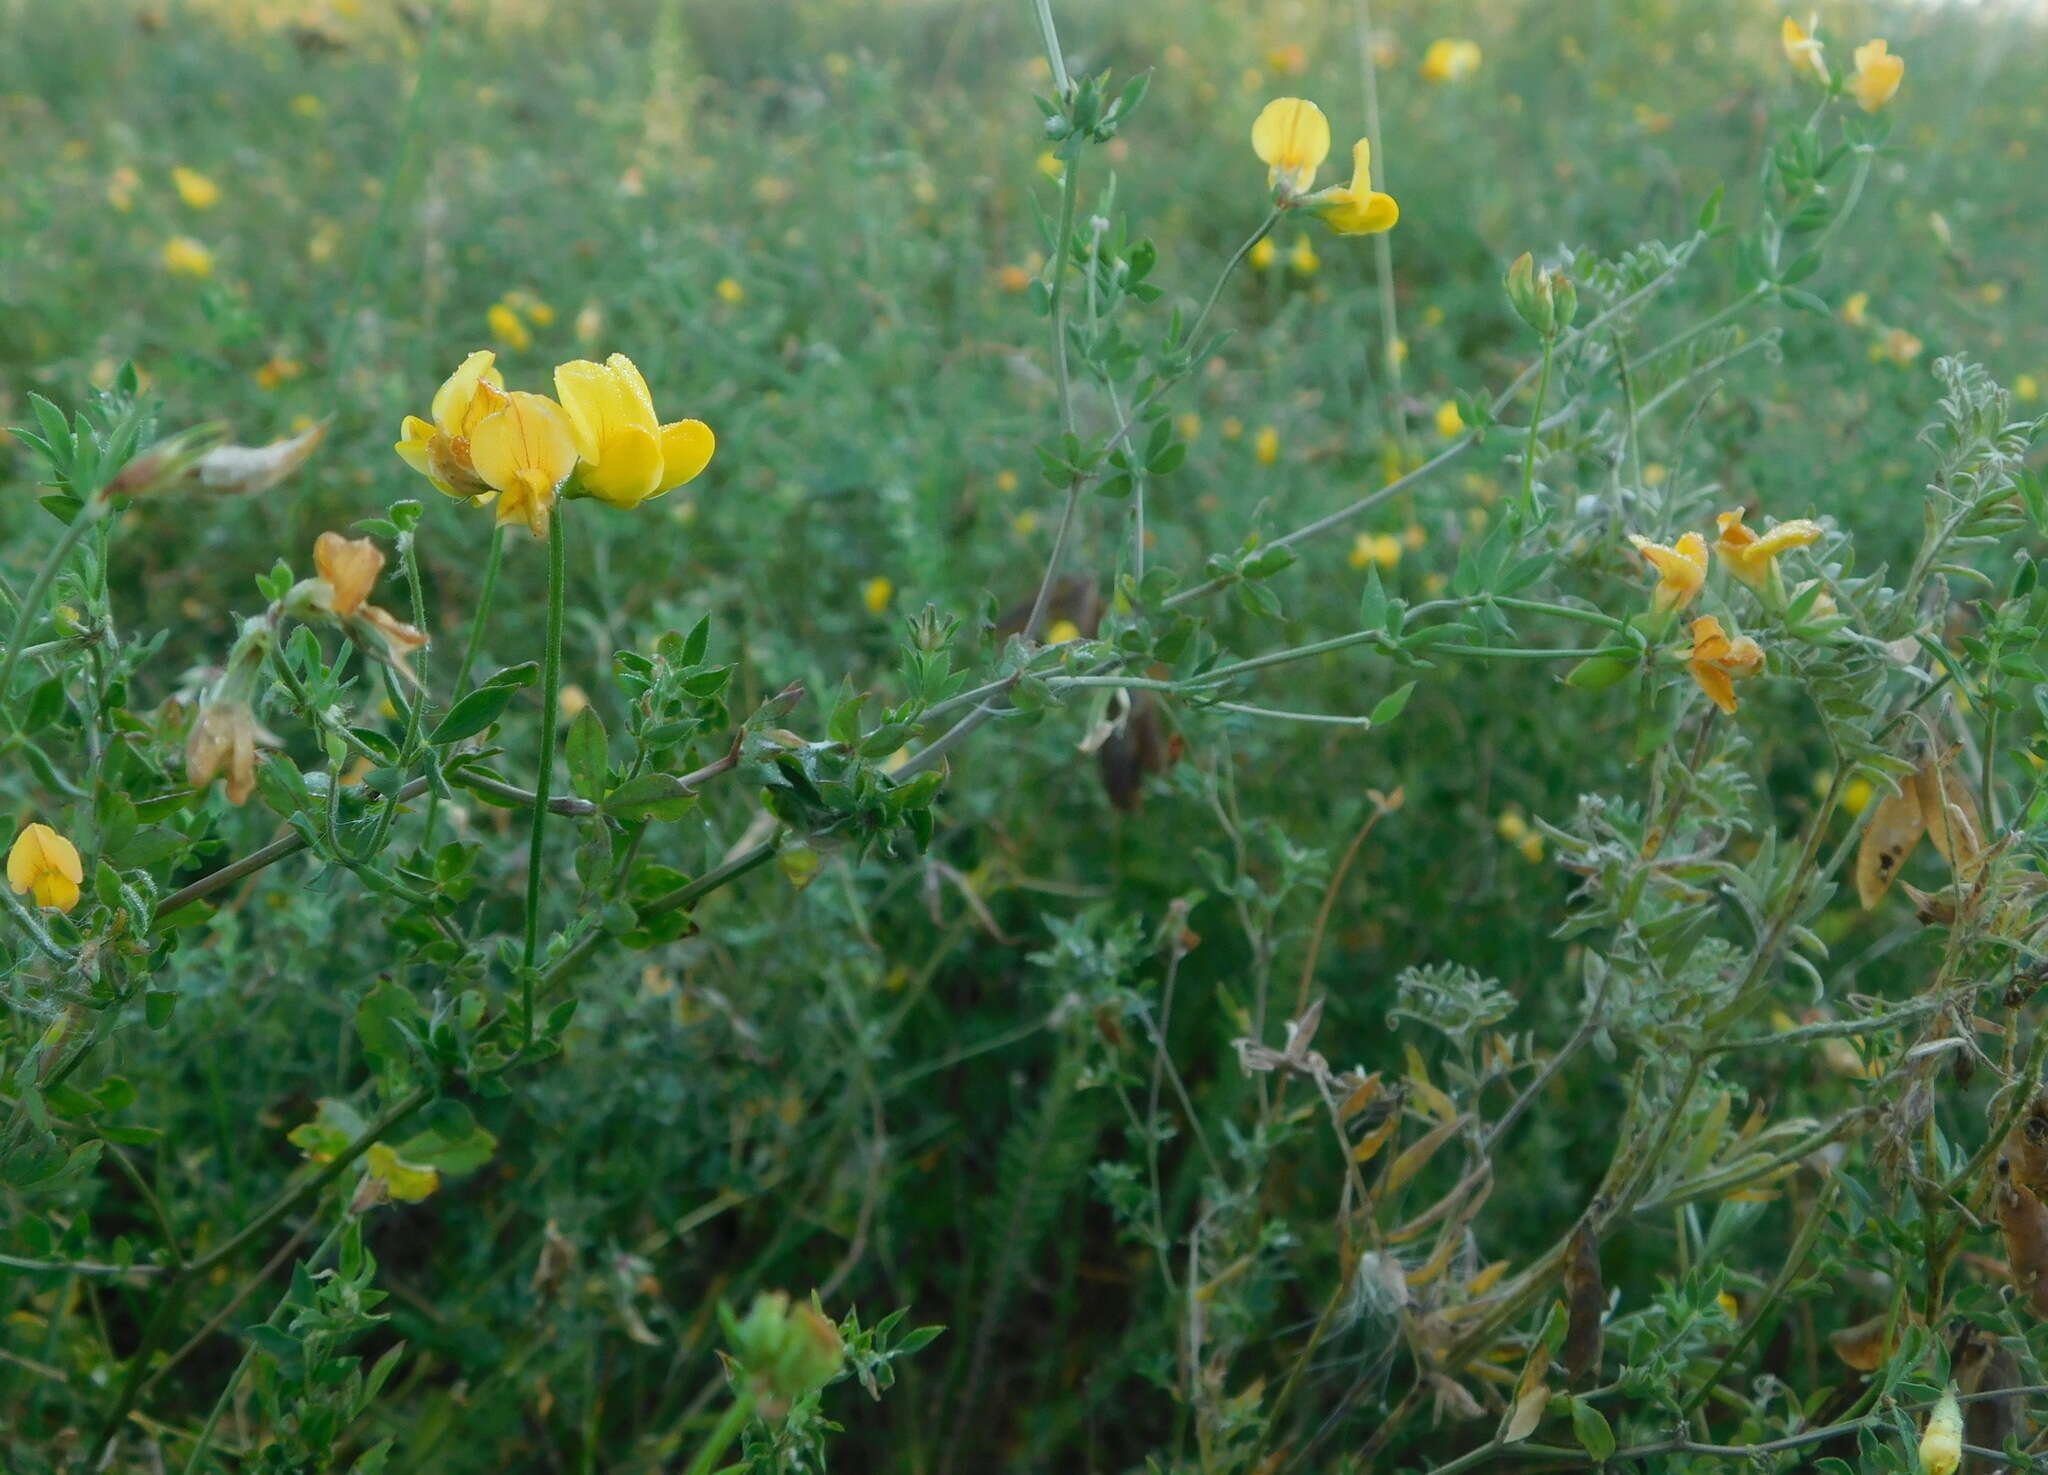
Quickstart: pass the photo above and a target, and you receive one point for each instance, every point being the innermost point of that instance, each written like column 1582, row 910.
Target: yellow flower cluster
column 1873, row 83
column 486, row 443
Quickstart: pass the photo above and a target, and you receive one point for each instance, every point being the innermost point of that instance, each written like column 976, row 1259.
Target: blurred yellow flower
column 1012, row 278
column 1448, row 421
column 195, row 189
column 507, row 327
column 278, row 371
column 1717, row 663
column 1292, row 138
column 1511, row 827
column 440, row 449
column 1050, row 166
column 876, row 594
column 589, row 323
column 1899, row 346
column 121, row 188
column 730, row 291
column 1381, row 548
column 46, row 864
column 1531, row 847
column 1232, row 427
column 321, row 245
column 628, row 454
column 1877, row 75
column 525, row 451
column 1449, row 59
column 1357, row 209
column 1190, row 424
column 1801, row 49
column 1681, row 569
column 571, row 699
column 1856, row 310
column 1267, row 446
column 1414, row 536
column 1059, row 632
column 1261, row 254
column 1397, row 352
column 1856, row 796
column 1006, row 481
column 2026, row 388
column 185, row 257
column 1291, row 59
column 1024, row 524
column 1749, row 556
column 305, row 105
column 1303, row 257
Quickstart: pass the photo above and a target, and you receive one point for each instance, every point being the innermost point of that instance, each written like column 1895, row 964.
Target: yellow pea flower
column 1232, row 427
column 121, row 188
column 628, row 454
column 2026, row 388
column 1261, row 254
column 1303, row 257
column 876, row 594
column 305, row 105
column 1511, row 827
column 195, row 189
column 1681, row 569
column 1448, row 421
column 402, row 1181
column 186, row 257
column 525, row 451
column 1267, row 446
column 1449, row 59
column 507, row 328
column 1877, row 75
column 45, row 863
column 440, row 450
column 1856, row 796
column 730, row 291
column 1856, row 310
column 1357, row 209
column 1292, row 138
column 1059, row 632
column 1383, row 549
column 1749, row 556
column 1801, row 49
column 1717, row 663
column 1899, row 346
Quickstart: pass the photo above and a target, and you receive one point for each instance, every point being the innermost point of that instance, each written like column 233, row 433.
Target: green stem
column 482, row 617
column 32, row 602
column 1070, row 190
column 550, row 715
column 1535, row 425
column 736, row 1415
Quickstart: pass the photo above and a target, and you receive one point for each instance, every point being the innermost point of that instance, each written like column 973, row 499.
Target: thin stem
column 32, row 601
column 1382, row 243
column 1049, row 33
column 482, row 617
column 550, row 697
column 742, row 1408
column 1535, row 426
column 1070, row 189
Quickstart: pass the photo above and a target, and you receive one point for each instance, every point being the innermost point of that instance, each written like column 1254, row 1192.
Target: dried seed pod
column 1888, row 841
column 2024, row 1223
column 2026, row 1148
column 1864, row 1346
column 1982, row 1364
column 1950, row 812
column 1585, row 1300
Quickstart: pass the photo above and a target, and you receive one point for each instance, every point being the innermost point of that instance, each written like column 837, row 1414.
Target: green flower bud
column 1529, row 294
column 783, row 1351
column 1566, row 297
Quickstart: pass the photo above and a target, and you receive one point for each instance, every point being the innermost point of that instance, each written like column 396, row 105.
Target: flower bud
column 1941, row 1443
column 1566, row 297
column 1529, row 294
column 782, row 1350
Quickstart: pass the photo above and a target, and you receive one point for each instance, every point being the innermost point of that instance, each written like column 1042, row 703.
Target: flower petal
column 455, row 398
column 629, row 471
column 686, row 448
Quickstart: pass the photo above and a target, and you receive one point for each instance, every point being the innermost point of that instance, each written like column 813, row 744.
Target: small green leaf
column 1591, row 1427
column 1390, row 706
column 588, row 754
column 472, row 714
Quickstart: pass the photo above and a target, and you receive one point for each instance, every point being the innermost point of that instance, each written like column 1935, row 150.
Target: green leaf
column 1592, row 1429
column 472, row 714
column 651, row 796
column 157, row 1005
column 588, row 754
column 1390, row 706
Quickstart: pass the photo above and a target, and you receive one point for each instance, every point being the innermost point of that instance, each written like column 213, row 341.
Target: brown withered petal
column 223, row 741
column 1864, row 1346
column 1585, row 1300
column 1950, row 812
column 350, row 566
column 1980, row 1363
column 2026, row 1148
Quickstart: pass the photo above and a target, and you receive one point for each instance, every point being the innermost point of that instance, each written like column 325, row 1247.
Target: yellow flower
column 1050, row 165
column 1261, row 254
column 589, row 323
column 876, row 594
column 1448, row 421
column 507, row 328
column 1059, row 632
column 1006, row 481
column 571, row 700
column 440, row 450
column 277, row 371
column 1717, row 663
column 1681, row 569
column 1899, row 346
column 45, row 863
column 1511, row 827
column 1877, row 75
column 196, row 190
column 1024, row 524
column 731, row 291
column 1749, row 557
column 1857, row 309
column 1232, row 427
column 1303, row 257
column 349, row 568
column 2025, row 388
column 121, row 188
column 185, row 257
column 1397, row 352
column 1801, row 49
column 1856, row 796
column 1357, row 209
column 1267, row 446
column 1292, row 138
column 1449, row 59
column 525, row 451
column 402, row 1181
column 1383, row 549
column 1190, row 424
column 1941, row 1442
column 305, row 105
column 1531, row 847
column 628, row 454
